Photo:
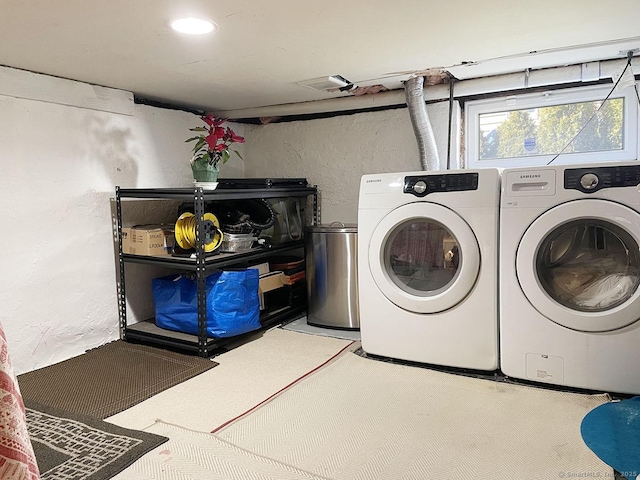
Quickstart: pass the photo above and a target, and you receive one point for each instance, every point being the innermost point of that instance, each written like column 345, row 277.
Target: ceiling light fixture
column 193, row 26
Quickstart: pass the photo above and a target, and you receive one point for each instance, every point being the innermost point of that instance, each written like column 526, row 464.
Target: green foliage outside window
column 547, row 130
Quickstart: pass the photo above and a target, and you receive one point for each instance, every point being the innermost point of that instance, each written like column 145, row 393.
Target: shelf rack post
column 201, row 276
column 122, row 299
column 316, row 208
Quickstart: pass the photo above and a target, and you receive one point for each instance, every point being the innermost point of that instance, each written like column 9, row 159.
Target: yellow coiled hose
column 185, row 231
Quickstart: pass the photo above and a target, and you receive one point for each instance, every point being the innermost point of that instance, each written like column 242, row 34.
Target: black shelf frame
column 218, row 260
column 202, row 263
column 188, row 194
column 152, row 335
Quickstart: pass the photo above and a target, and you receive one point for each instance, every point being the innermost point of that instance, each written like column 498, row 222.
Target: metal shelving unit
column 201, row 263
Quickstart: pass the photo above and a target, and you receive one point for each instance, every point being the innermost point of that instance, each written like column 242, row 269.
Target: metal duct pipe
column 429, row 159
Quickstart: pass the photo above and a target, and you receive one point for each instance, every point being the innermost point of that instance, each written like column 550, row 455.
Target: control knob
column 589, row 181
column 420, row 187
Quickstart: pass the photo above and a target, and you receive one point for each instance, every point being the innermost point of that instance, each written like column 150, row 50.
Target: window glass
column 532, row 129
column 547, row 130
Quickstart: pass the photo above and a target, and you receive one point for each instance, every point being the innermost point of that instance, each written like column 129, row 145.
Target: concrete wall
column 334, row 153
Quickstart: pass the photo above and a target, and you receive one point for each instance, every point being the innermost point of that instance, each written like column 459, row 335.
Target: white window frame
column 475, row 108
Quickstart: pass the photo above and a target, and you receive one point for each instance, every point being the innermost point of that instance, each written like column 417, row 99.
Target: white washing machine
column 427, row 267
column 569, row 276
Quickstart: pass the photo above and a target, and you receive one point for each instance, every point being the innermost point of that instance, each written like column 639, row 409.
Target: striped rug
column 360, row 419
column 201, row 456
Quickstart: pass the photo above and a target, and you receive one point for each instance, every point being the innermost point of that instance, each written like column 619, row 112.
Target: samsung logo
column 533, row 175
column 375, row 180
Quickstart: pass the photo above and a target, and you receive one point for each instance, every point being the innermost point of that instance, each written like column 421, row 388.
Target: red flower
column 231, row 136
column 213, row 121
column 215, row 134
column 214, row 141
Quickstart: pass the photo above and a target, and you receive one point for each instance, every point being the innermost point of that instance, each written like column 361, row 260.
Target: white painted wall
column 334, row 153
column 60, row 166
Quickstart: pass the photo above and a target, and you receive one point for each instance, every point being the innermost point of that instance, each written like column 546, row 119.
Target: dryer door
column 578, row 264
column 424, row 257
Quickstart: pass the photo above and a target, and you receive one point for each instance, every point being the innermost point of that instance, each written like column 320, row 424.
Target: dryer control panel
column 421, row 185
column 590, row 180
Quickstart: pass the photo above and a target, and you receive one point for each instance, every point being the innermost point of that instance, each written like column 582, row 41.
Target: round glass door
column 585, row 269
column 424, row 258
column 589, row 265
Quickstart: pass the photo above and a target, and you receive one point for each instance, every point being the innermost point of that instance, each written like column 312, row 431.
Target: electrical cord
column 256, row 225
column 629, row 57
column 185, row 232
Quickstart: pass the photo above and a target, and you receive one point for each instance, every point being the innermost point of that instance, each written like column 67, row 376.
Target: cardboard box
column 126, row 239
column 148, row 239
column 268, row 281
column 262, row 268
column 271, row 281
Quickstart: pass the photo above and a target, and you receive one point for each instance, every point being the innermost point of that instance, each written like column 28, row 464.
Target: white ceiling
column 264, row 48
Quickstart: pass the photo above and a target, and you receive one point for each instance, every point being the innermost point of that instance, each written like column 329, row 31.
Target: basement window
column 560, row 126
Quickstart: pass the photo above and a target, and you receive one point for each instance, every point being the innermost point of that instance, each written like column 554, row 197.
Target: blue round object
column 612, row 432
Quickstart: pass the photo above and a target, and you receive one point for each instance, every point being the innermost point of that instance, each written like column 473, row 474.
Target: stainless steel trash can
column 331, row 273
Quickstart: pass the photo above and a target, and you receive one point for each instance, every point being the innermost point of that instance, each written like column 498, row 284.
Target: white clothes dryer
column 427, row 267
column 569, row 276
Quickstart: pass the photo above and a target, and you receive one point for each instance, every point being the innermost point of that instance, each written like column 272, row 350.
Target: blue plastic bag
column 233, row 306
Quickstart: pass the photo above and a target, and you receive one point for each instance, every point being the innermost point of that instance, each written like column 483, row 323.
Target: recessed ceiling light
column 193, row 26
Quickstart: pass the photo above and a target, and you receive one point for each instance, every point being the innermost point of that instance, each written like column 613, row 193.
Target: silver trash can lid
column 334, row 227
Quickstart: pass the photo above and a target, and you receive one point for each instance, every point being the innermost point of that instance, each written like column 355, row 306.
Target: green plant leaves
column 217, row 149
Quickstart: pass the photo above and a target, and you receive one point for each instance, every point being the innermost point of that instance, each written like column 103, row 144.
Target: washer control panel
column 421, row 185
column 590, row 180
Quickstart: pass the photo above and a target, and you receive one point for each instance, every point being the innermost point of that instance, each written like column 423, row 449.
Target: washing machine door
column 424, row 257
column 578, row 264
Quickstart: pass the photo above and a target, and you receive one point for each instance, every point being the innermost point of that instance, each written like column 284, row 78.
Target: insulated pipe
column 429, row 159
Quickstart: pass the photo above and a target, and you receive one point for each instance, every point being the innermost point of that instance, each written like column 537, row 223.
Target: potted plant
column 212, row 146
